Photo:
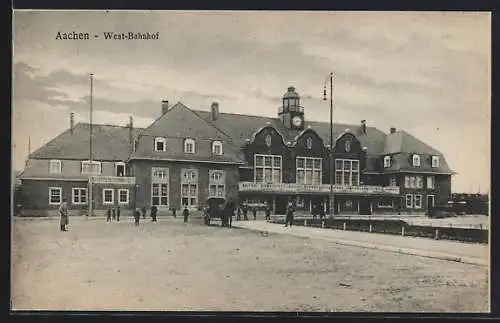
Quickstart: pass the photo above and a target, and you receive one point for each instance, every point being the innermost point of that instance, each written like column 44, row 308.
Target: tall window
column 414, row 182
column 216, row 183
column 417, row 200
column 87, row 169
column 159, row 186
column 189, row 187
column 55, row 167
column 123, row 196
column 416, row 160
column 189, row 146
column 79, row 195
column 393, row 181
column 430, row 182
column 346, row 172
column 308, row 170
column 387, row 161
column 108, row 196
column 120, row 169
column 267, row 168
column 160, row 144
column 217, row 148
column 55, row 195
column 435, row 161
column 409, row 201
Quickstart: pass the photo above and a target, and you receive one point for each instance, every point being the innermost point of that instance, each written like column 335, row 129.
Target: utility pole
column 91, row 195
column 332, row 204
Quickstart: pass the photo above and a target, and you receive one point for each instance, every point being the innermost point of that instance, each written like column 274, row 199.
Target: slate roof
column 403, row 142
column 108, row 143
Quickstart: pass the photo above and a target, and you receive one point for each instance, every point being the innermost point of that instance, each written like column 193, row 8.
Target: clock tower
column 291, row 113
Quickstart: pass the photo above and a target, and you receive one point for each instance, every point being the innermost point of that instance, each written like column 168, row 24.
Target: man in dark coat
column 174, row 212
column 63, row 212
column 254, row 212
column 238, row 214
column 289, row 215
column 144, row 210
column 154, row 212
column 114, row 214
column 245, row 213
column 118, row 213
column 185, row 214
column 137, row 216
column 268, row 213
column 108, row 215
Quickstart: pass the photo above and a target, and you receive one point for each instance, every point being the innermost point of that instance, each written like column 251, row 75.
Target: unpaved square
column 171, row 266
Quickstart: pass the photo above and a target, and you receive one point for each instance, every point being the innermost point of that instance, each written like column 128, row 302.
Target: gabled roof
column 108, row 143
column 403, row 142
column 240, row 127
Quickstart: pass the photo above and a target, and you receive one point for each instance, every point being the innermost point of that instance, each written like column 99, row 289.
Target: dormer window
column 435, row 161
column 189, row 146
column 160, row 144
column 55, row 167
column 120, row 169
column 87, row 169
column 416, row 161
column 387, row 161
column 217, row 148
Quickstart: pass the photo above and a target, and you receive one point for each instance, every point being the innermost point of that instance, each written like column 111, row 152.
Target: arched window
column 387, row 161
column 160, row 144
column 416, row 161
column 217, row 148
column 189, row 146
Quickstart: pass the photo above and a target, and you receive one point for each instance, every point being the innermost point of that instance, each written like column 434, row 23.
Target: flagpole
column 91, row 195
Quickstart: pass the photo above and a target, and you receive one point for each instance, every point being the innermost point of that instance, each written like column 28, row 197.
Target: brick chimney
column 71, row 122
column 131, row 134
column 164, row 106
column 393, row 130
column 214, row 110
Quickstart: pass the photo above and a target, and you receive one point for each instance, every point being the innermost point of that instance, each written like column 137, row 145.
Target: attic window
column 189, row 146
column 387, row 161
column 416, row 161
column 435, row 161
column 55, row 167
column 120, row 169
column 160, row 144
column 217, row 148
column 95, row 169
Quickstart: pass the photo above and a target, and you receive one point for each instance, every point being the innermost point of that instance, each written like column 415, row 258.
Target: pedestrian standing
column 108, row 215
column 185, row 214
column 230, row 214
column 238, row 214
column 114, row 214
column 137, row 216
column 254, row 211
column 174, row 212
column 268, row 213
column 118, row 213
column 245, row 213
column 63, row 212
column 289, row 215
column 154, row 212
column 144, row 210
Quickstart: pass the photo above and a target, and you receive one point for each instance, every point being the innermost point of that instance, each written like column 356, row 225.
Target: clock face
column 297, row 121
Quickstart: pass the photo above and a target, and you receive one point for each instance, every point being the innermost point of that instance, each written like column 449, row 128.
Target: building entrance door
column 430, row 203
column 281, row 202
column 364, row 207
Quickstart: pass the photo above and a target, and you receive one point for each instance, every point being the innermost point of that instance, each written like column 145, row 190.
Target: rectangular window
column 159, row 186
column 55, row 195
column 108, row 196
column 409, row 201
column 414, row 182
column 55, row 167
column 79, row 195
column 189, row 187
column 393, row 182
column 430, row 182
column 308, row 170
column 435, row 161
column 95, row 169
column 216, row 183
column 267, row 168
column 346, row 172
column 385, row 203
column 300, row 201
column 417, row 200
column 123, row 196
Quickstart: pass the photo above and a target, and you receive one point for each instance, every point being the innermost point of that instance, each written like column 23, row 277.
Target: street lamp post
column 91, row 195
column 332, row 204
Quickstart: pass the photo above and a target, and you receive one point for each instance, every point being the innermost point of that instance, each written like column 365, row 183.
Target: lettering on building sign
column 319, row 188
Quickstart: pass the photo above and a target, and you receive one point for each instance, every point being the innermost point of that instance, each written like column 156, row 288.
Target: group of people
column 244, row 209
column 113, row 213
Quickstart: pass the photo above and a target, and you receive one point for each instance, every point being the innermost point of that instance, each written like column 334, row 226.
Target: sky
column 425, row 72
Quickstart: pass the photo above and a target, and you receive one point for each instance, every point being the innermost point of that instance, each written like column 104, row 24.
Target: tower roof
column 291, row 93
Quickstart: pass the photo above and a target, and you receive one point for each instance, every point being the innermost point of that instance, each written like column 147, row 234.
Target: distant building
column 186, row 156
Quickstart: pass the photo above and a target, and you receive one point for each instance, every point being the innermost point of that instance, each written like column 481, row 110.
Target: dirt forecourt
column 169, row 266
